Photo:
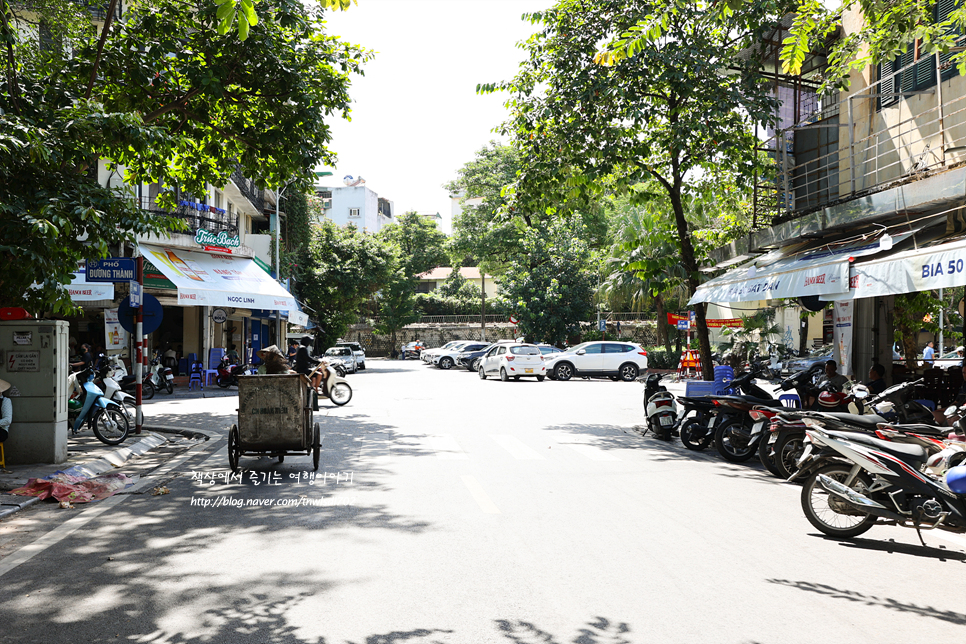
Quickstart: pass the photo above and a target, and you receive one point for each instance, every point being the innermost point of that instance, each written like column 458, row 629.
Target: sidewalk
column 87, row 457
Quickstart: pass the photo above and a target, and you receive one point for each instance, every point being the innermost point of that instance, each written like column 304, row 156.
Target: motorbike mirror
column 860, row 391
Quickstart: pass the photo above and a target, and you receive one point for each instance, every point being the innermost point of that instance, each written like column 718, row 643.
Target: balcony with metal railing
column 249, row 190
column 197, row 215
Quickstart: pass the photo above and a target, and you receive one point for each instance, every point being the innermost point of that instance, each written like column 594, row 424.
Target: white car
column 447, row 359
column 513, row 361
column 615, row 360
column 357, row 351
column 428, row 354
column 344, row 354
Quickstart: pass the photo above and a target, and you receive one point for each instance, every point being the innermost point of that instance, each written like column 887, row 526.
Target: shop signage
column 222, row 241
column 23, row 361
column 112, row 269
column 218, row 316
column 23, row 337
column 674, row 319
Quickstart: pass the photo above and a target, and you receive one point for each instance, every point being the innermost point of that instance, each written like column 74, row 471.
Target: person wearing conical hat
column 6, row 409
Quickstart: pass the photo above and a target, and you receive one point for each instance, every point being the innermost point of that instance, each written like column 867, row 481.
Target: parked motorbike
column 126, row 381
column 112, row 390
column 697, row 430
column 737, row 434
column 228, row 373
column 661, row 410
column 161, row 377
column 873, row 481
column 104, row 416
column 335, row 387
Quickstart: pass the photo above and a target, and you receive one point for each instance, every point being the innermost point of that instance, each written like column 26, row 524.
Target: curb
column 183, row 431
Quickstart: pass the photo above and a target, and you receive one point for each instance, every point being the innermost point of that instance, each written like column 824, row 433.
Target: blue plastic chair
column 790, row 400
column 182, row 367
column 214, row 358
column 195, row 376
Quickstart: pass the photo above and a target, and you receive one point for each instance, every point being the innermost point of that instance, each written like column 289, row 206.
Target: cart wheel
column 281, row 458
column 316, row 446
column 234, row 449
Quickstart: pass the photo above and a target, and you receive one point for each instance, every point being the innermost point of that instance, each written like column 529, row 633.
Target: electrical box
column 33, row 358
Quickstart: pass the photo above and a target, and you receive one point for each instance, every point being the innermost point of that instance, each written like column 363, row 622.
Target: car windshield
column 338, row 352
column 525, row 351
column 578, row 347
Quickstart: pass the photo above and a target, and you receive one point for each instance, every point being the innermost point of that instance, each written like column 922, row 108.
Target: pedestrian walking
column 928, row 354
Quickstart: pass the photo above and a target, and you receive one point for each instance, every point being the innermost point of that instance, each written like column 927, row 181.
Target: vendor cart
column 274, row 419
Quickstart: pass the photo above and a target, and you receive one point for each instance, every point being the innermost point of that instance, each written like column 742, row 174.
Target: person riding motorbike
column 305, row 363
column 831, row 379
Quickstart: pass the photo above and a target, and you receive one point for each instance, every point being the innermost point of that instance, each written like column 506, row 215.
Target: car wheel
column 482, row 374
column 516, row 378
column 628, row 372
column 540, row 378
column 503, row 375
column 564, row 371
column 446, row 363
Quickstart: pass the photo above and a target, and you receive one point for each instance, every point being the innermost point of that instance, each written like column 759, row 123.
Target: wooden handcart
column 275, row 418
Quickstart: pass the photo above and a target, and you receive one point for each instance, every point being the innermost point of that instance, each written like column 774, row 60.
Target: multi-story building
column 868, row 199
column 356, row 205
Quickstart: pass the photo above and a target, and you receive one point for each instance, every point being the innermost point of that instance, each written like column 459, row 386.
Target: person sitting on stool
column 6, row 409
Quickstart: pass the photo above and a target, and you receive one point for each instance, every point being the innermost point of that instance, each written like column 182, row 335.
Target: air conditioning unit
column 326, row 203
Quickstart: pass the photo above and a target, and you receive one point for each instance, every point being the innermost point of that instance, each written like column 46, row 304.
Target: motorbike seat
column 920, row 428
column 912, row 454
column 866, row 422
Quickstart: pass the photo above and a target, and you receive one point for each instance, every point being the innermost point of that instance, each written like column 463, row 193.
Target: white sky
column 416, row 117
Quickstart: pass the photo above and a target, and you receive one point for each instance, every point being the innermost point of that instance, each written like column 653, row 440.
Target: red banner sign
column 674, row 318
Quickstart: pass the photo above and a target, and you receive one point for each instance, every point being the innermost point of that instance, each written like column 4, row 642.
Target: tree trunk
column 663, row 337
column 690, row 265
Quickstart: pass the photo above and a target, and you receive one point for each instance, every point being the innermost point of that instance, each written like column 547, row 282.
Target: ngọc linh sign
column 112, row 269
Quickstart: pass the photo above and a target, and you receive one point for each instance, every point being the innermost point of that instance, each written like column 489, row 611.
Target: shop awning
column 920, row 269
column 209, row 279
column 822, row 271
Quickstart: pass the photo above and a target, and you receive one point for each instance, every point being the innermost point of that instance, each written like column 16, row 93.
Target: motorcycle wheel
column 788, row 450
column 111, row 426
column 223, row 382
column 340, row 370
column 830, row 515
column 169, row 386
column 130, row 412
column 696, row 435
column 732, row 443
column 147, row 390
column 767, row 458
column 341, row 393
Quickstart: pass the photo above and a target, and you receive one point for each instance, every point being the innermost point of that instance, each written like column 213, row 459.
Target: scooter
column 126, row 381
column 334, row 387
column 228, row 373
column 160, row 376
column 661, row 410
column 105, row 417
column 112, row 391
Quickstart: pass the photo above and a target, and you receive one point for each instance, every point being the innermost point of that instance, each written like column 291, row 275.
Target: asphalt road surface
column 451, row 510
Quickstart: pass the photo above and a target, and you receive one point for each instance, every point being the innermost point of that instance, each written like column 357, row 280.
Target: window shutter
column 943, row 9
column 925, row 72
column 887, row 88
column 908, row 77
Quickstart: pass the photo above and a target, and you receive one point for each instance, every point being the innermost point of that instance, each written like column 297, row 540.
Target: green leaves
column 230, row 10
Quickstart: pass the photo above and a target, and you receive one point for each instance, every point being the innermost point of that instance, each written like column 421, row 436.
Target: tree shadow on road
column 872, row 600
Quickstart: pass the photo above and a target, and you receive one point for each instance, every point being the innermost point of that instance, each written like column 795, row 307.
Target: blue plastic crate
column 698, row 388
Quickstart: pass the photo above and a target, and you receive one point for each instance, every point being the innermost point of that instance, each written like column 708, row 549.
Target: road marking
column 446, row 447
column 516, row 447
column 479, row 495
column 71, row 526
column 592, row 452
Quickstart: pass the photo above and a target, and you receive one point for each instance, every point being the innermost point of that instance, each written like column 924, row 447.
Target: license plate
column 757, row 428
column 773, row 438
column 528, row 371
column 666, row 420
column 711, row 421
column 169, row 377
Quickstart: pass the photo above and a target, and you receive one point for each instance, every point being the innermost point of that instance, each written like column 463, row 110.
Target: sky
column 416, row 117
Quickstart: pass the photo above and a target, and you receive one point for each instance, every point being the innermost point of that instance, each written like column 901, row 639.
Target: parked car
column 345, row 355
column 820, row 355
column 447, row 359
column 357, row 351
column 513, row 361
column 412, row 349
column 615, row 360
column 471, row 359
column 427, row 355
column 548, row 349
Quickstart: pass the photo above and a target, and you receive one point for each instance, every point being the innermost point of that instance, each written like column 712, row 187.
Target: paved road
column 461, row 511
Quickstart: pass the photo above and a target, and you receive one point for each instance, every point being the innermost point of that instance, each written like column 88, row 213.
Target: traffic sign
column 151, row 313
column 136, row 295
column 514, row 319
column 112, row 269
column 684, row 325
column 601, row 324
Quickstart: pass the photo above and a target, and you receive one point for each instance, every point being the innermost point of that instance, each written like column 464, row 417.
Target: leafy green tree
column 397, row 303
column 337, row 271
column 162, row 95
column 666, row 112
column 548, row 285
column 456, row 296
column 420, row 244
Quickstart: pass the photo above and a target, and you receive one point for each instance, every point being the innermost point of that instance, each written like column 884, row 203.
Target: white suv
column 513, row 361
column 615, row 360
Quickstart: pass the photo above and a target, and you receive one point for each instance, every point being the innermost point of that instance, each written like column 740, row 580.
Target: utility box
column 33, row 355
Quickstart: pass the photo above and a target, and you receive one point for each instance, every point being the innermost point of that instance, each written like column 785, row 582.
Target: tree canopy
column 162, row 94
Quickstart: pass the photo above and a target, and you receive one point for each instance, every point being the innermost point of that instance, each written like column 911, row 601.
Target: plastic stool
column 790, row 400
column 195, row 376
column 3, row 458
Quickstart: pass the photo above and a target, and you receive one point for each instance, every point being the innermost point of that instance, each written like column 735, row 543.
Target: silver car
column 345, row 355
